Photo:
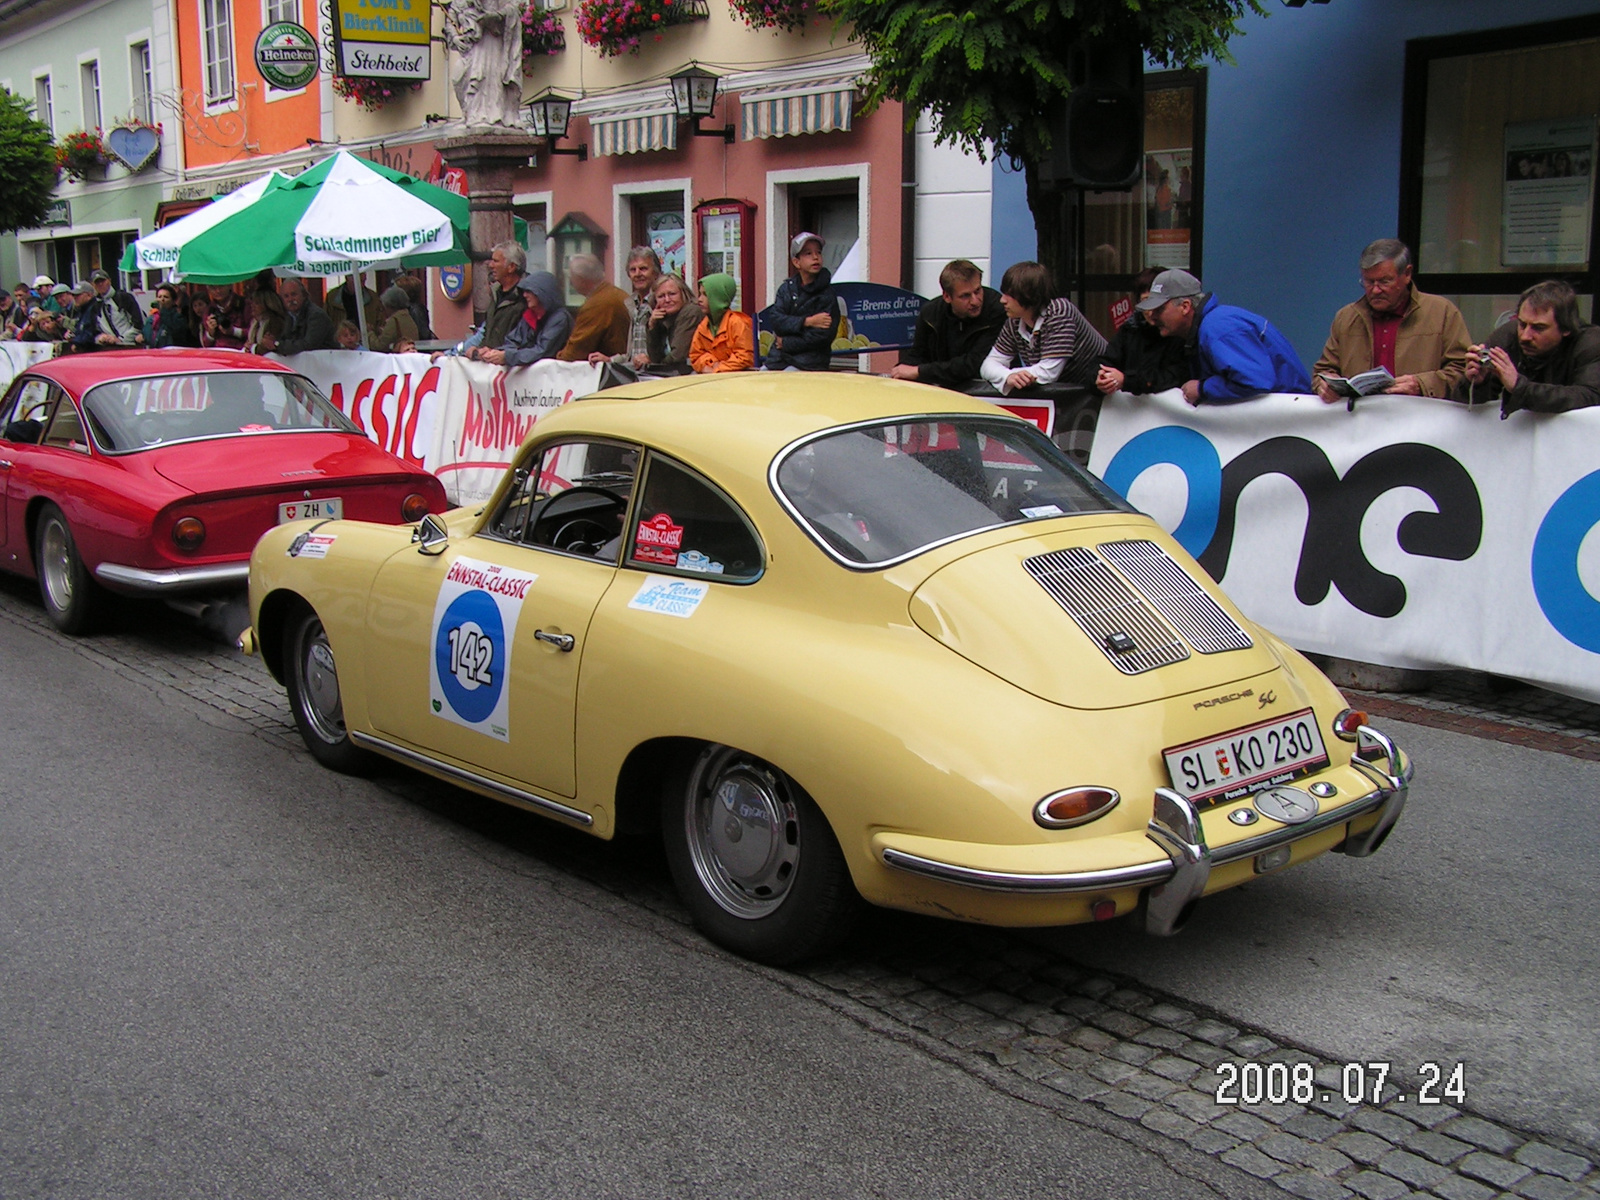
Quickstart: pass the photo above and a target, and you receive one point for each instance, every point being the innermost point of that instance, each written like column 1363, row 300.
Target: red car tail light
column 1348, row 722
column 414, row 507
column 1074, row 806
column 188, row 533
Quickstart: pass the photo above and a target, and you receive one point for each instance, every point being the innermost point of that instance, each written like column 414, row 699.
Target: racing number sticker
column 474, row 627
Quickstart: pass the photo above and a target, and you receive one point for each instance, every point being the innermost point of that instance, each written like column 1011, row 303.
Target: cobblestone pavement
column 1097, row 1049
column 1503, row 709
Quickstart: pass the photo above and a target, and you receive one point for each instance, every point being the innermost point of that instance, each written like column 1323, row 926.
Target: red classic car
column 155, row 471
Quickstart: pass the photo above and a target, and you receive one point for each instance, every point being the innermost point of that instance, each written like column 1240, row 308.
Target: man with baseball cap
column 105, row 287
column 1239, row 353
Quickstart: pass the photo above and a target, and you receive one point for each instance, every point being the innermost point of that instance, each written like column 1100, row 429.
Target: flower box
column 618, row 27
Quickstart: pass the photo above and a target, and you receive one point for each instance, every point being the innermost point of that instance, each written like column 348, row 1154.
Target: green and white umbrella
column 343, row 215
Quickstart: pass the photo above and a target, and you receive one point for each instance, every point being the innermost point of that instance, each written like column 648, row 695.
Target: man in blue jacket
column 1240, row 354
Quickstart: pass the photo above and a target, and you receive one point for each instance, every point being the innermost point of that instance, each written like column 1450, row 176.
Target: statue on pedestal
column 486, row 36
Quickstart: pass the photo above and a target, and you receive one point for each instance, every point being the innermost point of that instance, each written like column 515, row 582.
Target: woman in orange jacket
column 725, row 340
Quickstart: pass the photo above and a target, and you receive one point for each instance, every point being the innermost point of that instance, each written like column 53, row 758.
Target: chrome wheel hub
column 55, row 564
column 319, row 686
column 743, row 835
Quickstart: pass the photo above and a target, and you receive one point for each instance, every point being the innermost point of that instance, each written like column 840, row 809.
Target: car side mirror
column 431, row 536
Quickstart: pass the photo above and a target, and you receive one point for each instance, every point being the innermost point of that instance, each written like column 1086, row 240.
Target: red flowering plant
column 373, row 94
column 82, row 153
column 778, row 15
column 541, row 33
column 617, row 27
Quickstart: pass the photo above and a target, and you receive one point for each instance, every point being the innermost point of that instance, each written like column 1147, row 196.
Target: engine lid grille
column 1107, row 609
column 1177, row 597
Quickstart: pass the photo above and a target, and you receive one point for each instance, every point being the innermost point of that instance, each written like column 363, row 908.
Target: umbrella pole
column 361, row 308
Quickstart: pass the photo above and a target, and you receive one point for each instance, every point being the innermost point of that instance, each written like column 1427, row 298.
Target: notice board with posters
column 1548, row 204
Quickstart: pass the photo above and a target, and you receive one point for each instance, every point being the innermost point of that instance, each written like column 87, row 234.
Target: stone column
column 490, row 156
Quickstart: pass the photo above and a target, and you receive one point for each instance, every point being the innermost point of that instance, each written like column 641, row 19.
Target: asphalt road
column 1470, row 938
column 229, row 973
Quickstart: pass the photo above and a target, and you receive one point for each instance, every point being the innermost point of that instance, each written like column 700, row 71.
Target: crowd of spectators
column 1393, row 338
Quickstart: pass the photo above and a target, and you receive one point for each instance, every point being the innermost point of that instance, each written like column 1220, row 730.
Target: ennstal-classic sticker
column 474, row 628
column 658, row 541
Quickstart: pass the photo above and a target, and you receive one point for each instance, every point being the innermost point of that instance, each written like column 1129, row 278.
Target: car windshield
column 136, row 414
column 876, row 494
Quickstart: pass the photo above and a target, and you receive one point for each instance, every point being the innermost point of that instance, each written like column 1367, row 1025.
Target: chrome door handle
column 561, row 641
column 5, row 464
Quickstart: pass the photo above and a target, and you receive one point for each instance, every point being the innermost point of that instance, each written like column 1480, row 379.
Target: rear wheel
column 71, row 596
column 755, row 860
column 312, row 678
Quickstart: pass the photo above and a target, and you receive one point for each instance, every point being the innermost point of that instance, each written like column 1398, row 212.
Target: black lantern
column 548, row 115
column 694, row 95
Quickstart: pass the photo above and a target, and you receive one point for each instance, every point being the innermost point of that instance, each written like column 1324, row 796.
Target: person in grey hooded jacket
column 543, row 328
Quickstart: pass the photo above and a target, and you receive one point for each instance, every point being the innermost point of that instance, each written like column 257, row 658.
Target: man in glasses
column 1420, row 339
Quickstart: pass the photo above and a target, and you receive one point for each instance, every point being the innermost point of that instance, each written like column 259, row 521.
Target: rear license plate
column 331, row 509
column 1249, row 759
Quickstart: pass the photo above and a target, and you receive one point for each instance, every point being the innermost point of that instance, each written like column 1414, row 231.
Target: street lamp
column 694, row 95
column 548, row 115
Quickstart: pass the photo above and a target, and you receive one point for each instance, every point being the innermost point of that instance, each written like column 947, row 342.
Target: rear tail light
column 188, row 533
column 1074, row 806
column 1348, row 723
column 1103, row 910
column 414, row 507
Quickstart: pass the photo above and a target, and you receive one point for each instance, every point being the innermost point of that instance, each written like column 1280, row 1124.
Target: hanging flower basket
column 618, row 27
column 778, row 15
column 82, row 154
column 542, row 33
column 373, row 94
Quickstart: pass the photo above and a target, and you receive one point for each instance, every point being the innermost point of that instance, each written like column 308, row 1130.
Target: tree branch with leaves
column 987, row 71
column 27, row 164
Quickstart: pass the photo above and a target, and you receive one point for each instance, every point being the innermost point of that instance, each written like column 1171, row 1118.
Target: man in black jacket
column 1546, row 360
column 1138, row 359
column 307, row 326
column 955, row 330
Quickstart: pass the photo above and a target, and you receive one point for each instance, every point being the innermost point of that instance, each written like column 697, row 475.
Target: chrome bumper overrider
column 1181, row 876
column 173, row 579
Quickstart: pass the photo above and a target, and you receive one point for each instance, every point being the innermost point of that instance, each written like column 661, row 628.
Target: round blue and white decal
column 474, row 628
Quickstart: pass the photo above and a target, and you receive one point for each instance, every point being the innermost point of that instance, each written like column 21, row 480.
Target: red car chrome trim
column 174, row 579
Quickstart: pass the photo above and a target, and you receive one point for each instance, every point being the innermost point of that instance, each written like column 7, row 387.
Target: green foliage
column 27, row 164
column 987, row 70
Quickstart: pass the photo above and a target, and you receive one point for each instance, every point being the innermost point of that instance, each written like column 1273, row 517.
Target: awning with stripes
column 634, row 131
column 786, row 110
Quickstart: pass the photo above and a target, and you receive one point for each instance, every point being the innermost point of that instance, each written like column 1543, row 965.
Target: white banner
column 17, row 357
column 461, row 420
column 1410, row 532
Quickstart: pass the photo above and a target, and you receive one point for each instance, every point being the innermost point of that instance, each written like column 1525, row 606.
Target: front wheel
column 755, row 860
column 312, row 678
column 71, row 596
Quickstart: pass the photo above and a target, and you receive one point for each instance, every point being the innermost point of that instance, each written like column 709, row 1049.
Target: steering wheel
column 567, row 525
column 149, row 429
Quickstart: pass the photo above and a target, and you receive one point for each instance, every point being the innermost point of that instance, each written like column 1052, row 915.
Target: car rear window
column 876, row 494
column 136, row 414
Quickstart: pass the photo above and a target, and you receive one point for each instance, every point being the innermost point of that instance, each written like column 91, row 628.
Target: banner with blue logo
column 1411, row 532
column 872, row 317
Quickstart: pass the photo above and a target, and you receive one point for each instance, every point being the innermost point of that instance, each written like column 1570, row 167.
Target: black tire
column 72, row 599
column 755, row 861
column 312, row 679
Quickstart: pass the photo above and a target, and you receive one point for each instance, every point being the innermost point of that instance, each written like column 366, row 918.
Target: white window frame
column 48, row 115
column 91, row 82
column 622, row 222
column 210, row 41
column 548, row 199
column 142, row 78
column 778, row 214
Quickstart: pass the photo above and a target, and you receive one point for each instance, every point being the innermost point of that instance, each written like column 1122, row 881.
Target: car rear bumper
column 1180, row 875
column 172, row 580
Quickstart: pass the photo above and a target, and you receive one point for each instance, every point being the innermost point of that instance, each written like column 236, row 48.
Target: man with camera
column 1547, row 360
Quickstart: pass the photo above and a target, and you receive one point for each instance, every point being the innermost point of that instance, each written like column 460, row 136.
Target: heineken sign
column 286, row 55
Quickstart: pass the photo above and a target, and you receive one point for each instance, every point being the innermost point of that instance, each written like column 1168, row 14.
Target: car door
column 475, row 652
column 24, row 416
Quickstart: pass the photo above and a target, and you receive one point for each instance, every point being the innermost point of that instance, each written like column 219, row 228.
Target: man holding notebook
column 1420, row 340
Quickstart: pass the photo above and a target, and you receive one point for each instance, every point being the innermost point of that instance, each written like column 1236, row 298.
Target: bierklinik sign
column 1410, row 532
column 383, row 39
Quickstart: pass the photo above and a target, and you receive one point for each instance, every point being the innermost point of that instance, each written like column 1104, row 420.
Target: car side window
column 27, row 411
column 571, row 496
column 66, row 428
column 684, row 523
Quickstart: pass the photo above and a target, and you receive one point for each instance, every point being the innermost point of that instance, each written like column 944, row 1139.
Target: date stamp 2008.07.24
column 1359, row 1083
